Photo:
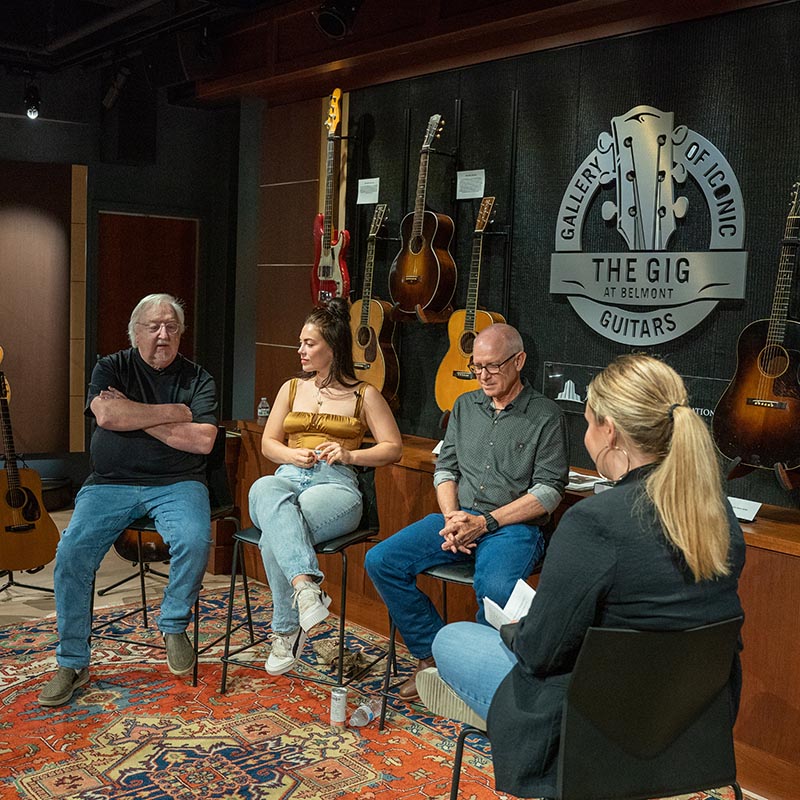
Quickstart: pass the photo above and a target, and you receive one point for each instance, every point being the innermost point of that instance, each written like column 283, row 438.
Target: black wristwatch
column 491, row 523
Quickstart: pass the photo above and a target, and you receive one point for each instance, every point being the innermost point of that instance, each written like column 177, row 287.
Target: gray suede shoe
column 439, row 698
column 180, row 653
column 58, row 690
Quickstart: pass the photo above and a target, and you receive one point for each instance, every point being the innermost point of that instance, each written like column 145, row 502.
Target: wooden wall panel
column 274, row 365
column 289, row 151
column 284, row 294
column 287, row 223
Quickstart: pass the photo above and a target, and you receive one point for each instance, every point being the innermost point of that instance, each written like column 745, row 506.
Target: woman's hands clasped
column 327, row 452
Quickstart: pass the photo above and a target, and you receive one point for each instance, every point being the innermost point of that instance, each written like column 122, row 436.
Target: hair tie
column 671, row 412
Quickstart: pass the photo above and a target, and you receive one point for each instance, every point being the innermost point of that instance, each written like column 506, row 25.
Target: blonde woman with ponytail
column 661, row 550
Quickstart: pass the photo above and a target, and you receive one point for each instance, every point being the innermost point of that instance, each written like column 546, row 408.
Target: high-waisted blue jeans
column 102, row 511
column 501, row 558
column 295, row 509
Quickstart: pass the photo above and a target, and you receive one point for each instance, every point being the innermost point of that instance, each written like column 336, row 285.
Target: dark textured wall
column 529, row 122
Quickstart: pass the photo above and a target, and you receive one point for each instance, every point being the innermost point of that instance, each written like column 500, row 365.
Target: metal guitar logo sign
column 648, row 294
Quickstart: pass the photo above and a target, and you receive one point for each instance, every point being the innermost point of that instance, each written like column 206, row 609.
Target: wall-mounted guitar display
column 422, row 278
column 374, row 356
column 329, row 275
column 453, row 377
column 757, row 420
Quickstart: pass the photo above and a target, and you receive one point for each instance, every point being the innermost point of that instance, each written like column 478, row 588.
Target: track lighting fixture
column 32, row 101
column 335, row 17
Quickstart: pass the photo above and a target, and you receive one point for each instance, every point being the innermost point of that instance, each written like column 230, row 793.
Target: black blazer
column 608, row 565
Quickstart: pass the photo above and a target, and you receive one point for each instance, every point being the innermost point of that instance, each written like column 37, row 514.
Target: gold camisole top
column 305, row 429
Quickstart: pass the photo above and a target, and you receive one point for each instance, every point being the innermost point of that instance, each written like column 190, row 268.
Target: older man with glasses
column 156, row 422
column 501, row 472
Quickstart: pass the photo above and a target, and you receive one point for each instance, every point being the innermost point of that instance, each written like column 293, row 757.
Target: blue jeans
column 102, row 511
column 501, row 558
column 295, row 509
column 473, row 660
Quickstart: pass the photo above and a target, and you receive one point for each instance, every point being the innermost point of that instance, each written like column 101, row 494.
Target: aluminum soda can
column 338, row 706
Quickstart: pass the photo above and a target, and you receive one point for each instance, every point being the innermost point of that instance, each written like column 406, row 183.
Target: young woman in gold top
column 315, row 432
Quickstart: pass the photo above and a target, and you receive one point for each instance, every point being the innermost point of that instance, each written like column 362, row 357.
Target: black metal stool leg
column 229, row 617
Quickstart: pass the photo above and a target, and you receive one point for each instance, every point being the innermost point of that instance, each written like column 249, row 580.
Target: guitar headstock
column 433, row 131
column 377, row 220
column 794, row 204
column 332, row 120
column 484, row 214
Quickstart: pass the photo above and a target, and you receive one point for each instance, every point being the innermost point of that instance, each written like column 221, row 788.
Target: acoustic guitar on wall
column 28, row 536
column 422, row 278
column 453, row 377
column 329, row 275
column 757, row 420
column 374, row 356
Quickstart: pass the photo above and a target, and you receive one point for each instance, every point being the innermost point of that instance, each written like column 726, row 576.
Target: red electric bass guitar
column 329, row 276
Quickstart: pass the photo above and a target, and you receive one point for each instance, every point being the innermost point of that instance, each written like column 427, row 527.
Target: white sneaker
column 311, row 603
column 285, row 652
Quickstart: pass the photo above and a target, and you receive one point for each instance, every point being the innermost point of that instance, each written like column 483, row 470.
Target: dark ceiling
column 51, row 35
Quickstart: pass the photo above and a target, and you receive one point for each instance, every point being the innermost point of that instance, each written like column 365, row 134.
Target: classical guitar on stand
column 422, row 278
column 28, row 536
column 453, row 377
column 757, row 420
column 329, row 276
column 374, row 356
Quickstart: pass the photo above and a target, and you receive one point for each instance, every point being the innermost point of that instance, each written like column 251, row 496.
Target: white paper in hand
column 516, row 607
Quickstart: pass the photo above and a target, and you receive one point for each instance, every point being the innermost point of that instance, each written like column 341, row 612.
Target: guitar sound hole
column 773, row 361
column 15, row 498
column 363, row 336
column 467, row 342
column 416, row 244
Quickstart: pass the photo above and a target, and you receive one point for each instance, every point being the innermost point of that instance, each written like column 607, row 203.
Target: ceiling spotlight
column 335, row 17
column 32, row 102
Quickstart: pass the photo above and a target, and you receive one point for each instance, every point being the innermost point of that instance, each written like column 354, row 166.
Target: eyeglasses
column 491, row 369
column 154, row 327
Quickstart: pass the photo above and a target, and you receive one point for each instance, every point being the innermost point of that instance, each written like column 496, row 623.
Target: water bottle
column 263, row 411
column 366, row 712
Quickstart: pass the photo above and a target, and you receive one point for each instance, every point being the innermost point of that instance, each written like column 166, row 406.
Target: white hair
column 146, row 303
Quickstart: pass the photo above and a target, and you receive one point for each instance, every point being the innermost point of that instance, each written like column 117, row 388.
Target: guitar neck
column 474, row 281
column 8, row 445
column 326, row 219
column 783, row 285
column 366, row 297
column 422, row 187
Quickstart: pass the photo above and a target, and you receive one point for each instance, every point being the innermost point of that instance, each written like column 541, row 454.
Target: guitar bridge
column 361, row 365
column 19, row 528
column 411, row 279
column 777, row 404
column 463, row 375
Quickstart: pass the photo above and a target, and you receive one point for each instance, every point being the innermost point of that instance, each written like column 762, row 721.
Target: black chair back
column 648, row 714
column 366, row 485
column 219, row 489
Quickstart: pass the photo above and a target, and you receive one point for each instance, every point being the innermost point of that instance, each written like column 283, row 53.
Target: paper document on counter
column 516, row 607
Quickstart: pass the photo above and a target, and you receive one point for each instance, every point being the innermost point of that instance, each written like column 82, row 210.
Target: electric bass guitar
column 757, row 419
column 453, row 377
column 374, row 356
column 28, row 537
column 329, row 275
column 423, row 273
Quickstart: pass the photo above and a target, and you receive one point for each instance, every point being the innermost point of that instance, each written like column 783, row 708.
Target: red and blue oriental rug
column 136, row 731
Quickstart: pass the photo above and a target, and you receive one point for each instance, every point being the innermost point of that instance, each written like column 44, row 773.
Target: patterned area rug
column 136, row 731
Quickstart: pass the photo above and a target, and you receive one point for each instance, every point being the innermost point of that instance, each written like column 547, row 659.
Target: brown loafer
column 408, row 690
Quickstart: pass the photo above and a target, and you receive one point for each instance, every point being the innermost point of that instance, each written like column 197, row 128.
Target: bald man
column 501, row 472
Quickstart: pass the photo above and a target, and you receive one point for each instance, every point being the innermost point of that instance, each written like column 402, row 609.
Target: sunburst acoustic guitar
column 757, row 420
column 374, row 356
column 453, row 377
column 422, row 277
column 28, row 536
column 329, row 275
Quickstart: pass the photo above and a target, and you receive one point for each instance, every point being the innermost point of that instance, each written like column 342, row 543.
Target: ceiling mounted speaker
column 335, row 17
column 186, row 56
